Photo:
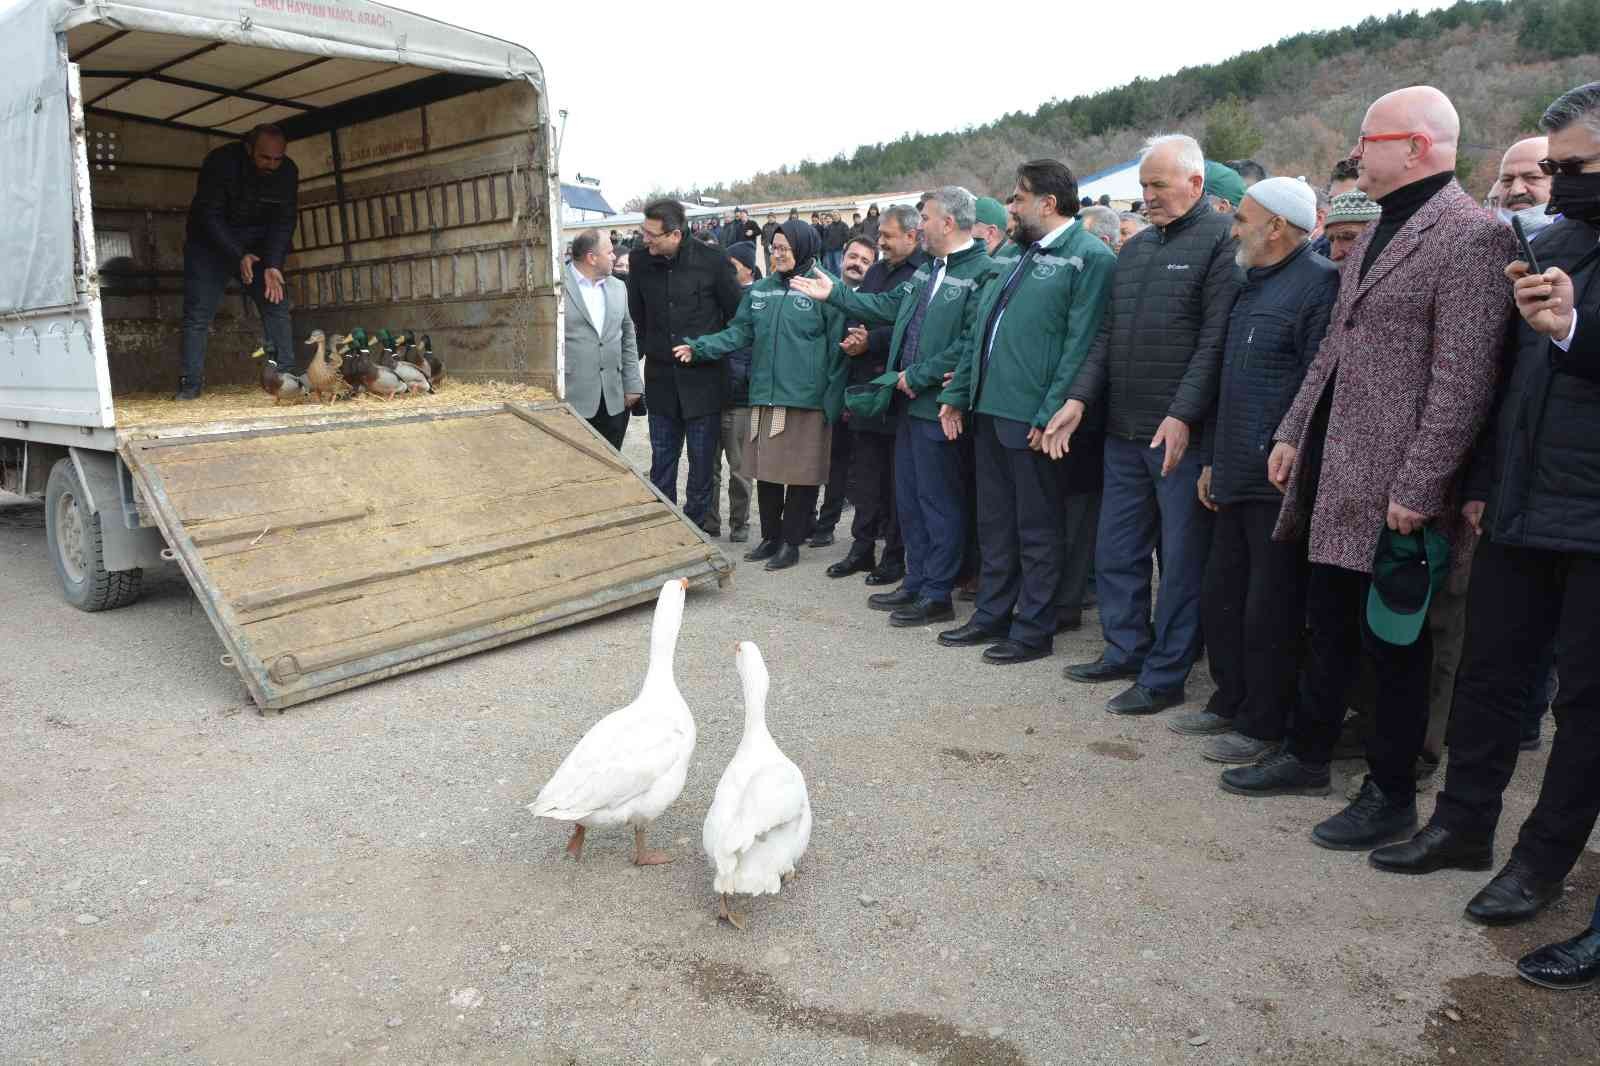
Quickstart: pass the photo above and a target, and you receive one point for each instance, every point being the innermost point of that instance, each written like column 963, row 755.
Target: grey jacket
column 603, row 358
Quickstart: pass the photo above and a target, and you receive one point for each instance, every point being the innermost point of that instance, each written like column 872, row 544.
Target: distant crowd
column 1338, row 439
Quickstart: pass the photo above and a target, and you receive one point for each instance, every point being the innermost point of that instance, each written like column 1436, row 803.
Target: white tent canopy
column 1120, row 182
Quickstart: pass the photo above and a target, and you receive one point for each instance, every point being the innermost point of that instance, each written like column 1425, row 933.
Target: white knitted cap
column 1289, row 197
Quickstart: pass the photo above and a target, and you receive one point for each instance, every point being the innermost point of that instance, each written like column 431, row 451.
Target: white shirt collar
column 1050, row 238
column 956, row 251
column 584, row 279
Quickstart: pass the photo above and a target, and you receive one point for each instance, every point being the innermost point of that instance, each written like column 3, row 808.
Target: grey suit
column 603, row 360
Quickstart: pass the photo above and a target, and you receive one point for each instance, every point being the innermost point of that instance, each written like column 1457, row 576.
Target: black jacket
column 689, row 295
column 1159, row 348
column 835, row 235
column 1538, row 465
column 1274, row 330
column 237, row 210
column 736, row 374
column 881, row 277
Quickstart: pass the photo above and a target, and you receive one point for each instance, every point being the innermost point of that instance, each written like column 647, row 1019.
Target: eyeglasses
column 1362, row 140
column 1567, row 166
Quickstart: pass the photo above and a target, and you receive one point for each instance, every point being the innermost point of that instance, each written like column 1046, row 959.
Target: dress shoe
column 1280, row 773
column 892, row 601
column 888, row 572
column 922, row 613
column 1066, row 623
column 765, row 550
column 712, row 531
column 1373, row 818
column 1236, row 749
column 859, row 561
column 1008, row 651
column 1137, row 700
column 970, row 636
column 1100, row 670
column 1434, row 848
column 1515, row 895
column 1572, row 963
column 739, row 535
column 787, row 555
column 1201, row 724
column 822, row 538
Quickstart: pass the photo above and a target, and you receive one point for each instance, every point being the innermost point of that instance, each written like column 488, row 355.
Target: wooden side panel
column 334, row 554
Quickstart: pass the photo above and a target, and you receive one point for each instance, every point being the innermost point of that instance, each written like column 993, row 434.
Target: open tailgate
column 333, row 554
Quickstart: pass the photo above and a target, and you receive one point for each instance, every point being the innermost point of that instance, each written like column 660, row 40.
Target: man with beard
column 859, row 256
column 1522, row 188
column 1151, row 381
column 1032, row 332
column 1533, row 504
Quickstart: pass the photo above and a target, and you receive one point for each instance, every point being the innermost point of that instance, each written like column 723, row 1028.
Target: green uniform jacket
column 1044, row 335
column 795, row 358
column 944, row 328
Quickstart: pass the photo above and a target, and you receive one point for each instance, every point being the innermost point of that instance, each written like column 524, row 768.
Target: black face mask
column 1576, row 196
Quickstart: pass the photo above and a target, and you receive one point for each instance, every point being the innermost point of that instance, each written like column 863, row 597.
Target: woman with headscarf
column 797, row 382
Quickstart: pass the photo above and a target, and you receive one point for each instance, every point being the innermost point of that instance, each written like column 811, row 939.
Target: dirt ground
column 999, row 872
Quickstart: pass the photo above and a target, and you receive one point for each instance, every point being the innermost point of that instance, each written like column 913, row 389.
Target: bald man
column 1521, row 184
column 1369, row 452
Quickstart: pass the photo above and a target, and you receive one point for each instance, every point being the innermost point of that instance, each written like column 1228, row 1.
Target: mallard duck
column 376, row 379
column 349, row 369
column 760, row 818
column 433, row 364
column 632, row 763
column 322, row 373
column 281, row 384
column 416, row 380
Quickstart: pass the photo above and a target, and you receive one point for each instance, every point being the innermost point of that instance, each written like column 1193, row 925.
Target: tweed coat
column 1412, row 350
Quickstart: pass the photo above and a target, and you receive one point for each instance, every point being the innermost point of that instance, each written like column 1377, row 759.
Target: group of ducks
column 386, row 365
column 631, row 765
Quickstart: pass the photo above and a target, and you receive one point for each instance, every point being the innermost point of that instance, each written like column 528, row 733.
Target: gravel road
column 999, row 872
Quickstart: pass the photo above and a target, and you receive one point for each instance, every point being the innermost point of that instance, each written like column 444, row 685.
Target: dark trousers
column 1142, row 511
column 668, row 437
column 833, row 496
column 1254, row 608
column 965, row 450
column 206, row 273
column 1019, row 532
column 613, row 427
column 872, row 493
column 1519, row 600
column 786, row 511
column 1080, row 527
column 1336, row 613
column 927, row 481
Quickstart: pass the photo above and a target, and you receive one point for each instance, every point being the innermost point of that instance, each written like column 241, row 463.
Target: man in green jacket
column 1035, row 322
column 931, row 314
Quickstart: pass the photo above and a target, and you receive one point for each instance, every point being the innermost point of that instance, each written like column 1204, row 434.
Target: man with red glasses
column 1373, row 442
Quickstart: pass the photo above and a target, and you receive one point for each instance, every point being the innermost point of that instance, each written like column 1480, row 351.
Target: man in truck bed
column 240, row 224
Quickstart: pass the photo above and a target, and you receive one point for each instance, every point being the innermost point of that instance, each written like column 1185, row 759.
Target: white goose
column 631, row 764
column 760, row 819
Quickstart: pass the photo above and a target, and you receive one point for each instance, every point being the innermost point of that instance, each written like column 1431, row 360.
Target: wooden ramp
column 333, row 554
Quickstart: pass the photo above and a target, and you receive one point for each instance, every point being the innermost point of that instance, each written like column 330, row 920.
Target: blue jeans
column 206, row 273
column 668, row 436
column 1139, row 509
column 932, row 507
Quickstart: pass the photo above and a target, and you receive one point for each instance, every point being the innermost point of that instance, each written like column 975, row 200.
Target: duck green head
column 358, row 336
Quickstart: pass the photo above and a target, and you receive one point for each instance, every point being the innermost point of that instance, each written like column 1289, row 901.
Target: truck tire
column 73, row 535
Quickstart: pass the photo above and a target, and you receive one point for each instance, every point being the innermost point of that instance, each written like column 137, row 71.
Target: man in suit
column 1375, row 438
column 602, row 361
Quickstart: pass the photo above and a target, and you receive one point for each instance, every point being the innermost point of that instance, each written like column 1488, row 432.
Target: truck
column 332, row 545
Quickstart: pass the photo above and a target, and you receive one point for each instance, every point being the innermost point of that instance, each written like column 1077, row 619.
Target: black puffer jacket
column 1274, row 330
column 1538, row 466
column 1159, row 348
column 237, row 209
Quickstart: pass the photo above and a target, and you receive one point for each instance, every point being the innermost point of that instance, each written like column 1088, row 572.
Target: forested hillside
column 1295, row 105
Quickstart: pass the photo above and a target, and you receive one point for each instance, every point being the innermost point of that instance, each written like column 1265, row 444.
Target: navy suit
column 1020, row 501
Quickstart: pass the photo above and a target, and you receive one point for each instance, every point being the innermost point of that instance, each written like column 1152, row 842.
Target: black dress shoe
column 1434, row 848
column 970, row 636
column 822, row 538
column 765, row 550
column 1138, row 700
column 1515, row 895
column 786, row 557
column 1570, row 964
column 1100, row 670
column 888, row 572
column 1372, row 818
column 891, row 601
column 1066, row 623
column 1009, row 651
column 859, row 561
column 923, row 612
column 1278, row 773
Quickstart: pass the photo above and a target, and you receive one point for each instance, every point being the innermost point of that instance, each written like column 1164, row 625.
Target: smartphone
column 1524, row 248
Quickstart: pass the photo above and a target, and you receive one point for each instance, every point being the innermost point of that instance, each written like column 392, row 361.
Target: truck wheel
column 73, row 534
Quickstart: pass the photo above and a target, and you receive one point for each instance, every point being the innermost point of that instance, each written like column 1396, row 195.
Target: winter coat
column 882, row 277
column 1408, row 364
column 1159, row 349
column 238, row 211
column 693, row 293
column 1274, row 330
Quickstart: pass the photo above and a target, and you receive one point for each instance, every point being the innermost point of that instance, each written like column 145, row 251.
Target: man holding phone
column 1533, row 500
